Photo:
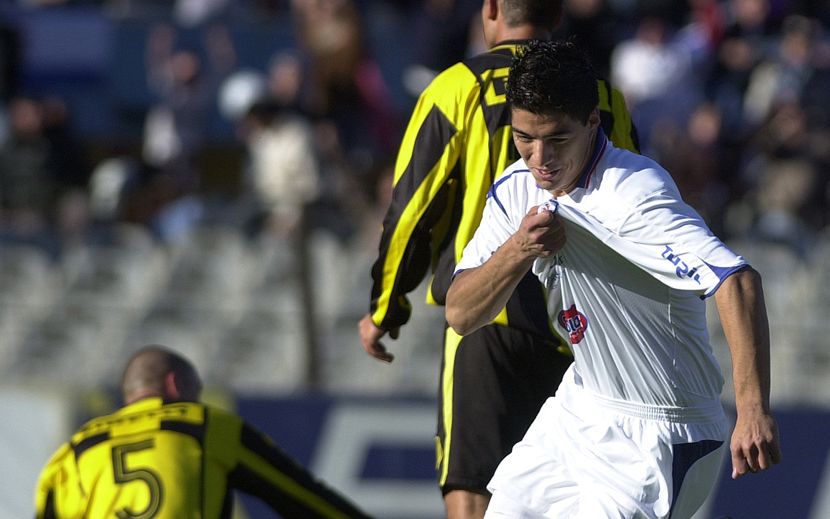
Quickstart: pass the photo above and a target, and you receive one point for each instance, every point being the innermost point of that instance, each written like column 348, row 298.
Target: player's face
column 556, row 148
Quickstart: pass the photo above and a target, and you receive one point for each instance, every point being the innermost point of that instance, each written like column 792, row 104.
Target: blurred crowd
column 731, row 96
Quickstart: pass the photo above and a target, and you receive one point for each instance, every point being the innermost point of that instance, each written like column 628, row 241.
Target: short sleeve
column 665, row 237
column 496, row 227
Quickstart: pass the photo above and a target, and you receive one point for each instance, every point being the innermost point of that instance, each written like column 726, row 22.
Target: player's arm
column 58, row 490
column 421, row 196
column 45, row 495
column 478, row 294
column 265, row 471
column 740, row 301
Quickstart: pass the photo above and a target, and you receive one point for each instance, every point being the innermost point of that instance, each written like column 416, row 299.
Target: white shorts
column 589, row 457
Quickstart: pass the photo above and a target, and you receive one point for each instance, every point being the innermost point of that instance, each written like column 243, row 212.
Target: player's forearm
column 742, row 310
column 476, row 296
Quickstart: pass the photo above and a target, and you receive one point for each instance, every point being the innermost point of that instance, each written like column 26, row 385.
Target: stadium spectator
column 27, row 178
column 164, row 454
column 176, row 126
column 746, row 40
column 656, row 75
column 347, row 84
column 598, row 26
column 287, row 82
column 782, row 76
column 781, row 201
column 10, row 61
column 335, row 208
column 443, row 28
column 704, row 166
column 283, row 165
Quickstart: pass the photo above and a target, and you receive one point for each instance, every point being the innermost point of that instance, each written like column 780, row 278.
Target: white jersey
column 628, row 287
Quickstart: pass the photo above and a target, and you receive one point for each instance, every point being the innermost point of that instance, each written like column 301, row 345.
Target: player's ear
column 594, row 119
column 171, row 387
column 491, row 9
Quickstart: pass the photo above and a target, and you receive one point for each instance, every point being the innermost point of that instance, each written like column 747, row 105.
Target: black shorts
column 493, row 383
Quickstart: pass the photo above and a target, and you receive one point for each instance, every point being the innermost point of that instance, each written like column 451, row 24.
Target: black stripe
column 610, row 93
column 227, row 505
column 252, row 483
column 606, row 121
column 258, row 443
column 635, row 137
column 496, row 116
column 89, row 442
column 433, row 136
column 197, row 431
column 607, row 117
column 445, row 265
column 49, row 507
column 286, row 504
column 497, row 58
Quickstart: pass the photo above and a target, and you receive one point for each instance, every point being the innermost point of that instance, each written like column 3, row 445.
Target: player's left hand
column 370, row 335
column 755, row 443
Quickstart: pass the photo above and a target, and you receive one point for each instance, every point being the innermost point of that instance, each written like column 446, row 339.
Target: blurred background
column 212, row 175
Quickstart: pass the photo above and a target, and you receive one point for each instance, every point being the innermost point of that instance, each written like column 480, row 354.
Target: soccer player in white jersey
column 636, row 429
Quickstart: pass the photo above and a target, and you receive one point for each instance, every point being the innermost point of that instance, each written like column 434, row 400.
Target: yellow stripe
column 430, row 299
column 501, row 318
column 621, row 133
column 451, row 342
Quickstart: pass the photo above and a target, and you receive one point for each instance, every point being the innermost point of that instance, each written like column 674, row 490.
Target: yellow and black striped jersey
column 177, row 461
column 457, row 142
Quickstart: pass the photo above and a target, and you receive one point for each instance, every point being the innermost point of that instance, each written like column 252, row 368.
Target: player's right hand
column 370, row 336
column 541, row 234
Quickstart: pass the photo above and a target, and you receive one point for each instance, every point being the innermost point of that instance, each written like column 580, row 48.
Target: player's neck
column 520, row 33
column 142, row 394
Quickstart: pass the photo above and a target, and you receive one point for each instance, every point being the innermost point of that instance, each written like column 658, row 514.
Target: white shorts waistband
column 697, row 414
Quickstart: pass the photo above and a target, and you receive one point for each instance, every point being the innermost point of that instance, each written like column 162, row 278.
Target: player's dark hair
column 149, row 366
column 549, row 78
column 186, row 371
column 540, row 13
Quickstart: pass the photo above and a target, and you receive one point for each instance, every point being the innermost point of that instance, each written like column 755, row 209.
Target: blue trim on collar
column 602, row 140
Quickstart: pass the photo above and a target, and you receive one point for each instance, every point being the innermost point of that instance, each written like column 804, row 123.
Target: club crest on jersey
column 575, row 322
column 682, row 269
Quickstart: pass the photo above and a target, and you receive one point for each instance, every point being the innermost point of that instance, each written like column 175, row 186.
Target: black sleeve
column 265, row 471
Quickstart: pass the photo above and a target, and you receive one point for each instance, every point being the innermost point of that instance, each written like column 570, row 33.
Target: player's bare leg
column 465, row 504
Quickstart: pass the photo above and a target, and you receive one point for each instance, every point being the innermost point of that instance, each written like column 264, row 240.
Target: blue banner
column 380, row 452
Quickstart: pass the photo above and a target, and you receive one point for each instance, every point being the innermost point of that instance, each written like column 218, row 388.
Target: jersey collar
column 508, row 44
column 145, row 403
